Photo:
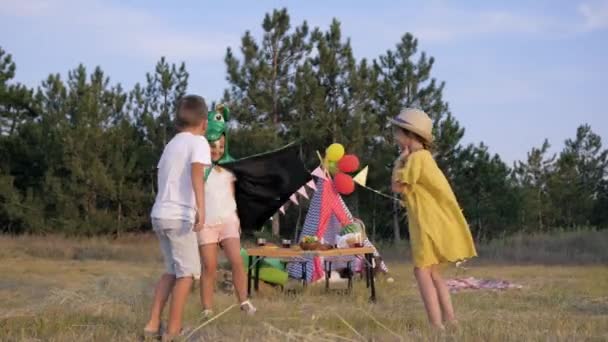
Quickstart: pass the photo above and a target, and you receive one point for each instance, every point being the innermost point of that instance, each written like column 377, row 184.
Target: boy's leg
column 161, row 294
column 444, row 295
column 232, row 249
column 429, row 295
column 209, row 258
column 181, row 289
column 187, row 265
column 164, row 285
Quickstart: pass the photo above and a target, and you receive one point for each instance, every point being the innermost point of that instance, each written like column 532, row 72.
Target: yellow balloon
column 334, row 152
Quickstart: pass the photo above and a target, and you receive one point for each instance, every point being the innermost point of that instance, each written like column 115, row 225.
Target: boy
column 179, row 211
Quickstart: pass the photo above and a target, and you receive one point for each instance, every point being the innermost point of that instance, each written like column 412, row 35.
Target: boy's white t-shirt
column 219, row 196
column 175, row 199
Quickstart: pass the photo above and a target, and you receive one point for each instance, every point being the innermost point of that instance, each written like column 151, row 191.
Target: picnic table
column 296, row 254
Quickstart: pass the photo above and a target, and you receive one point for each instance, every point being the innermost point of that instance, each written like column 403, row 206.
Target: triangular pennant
column 294, row 199
column 312, row 185
column 319, row 173
column 282, row 210
column 302, row 191
column 285, row 206
column 361, row 177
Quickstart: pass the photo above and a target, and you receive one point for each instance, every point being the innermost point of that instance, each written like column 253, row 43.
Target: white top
column 219, row 196
column 175, row 199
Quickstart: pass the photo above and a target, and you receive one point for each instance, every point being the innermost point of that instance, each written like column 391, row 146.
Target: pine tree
column 16, row 100
column 533, row 177
column 16, row 112
column 580, row 172
column 406, row 82
column 484, row 189
column 261, row 85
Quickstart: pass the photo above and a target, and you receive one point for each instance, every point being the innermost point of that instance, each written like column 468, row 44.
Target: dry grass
column 54, row 289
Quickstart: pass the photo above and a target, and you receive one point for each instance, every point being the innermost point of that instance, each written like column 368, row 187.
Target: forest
column 78, row 153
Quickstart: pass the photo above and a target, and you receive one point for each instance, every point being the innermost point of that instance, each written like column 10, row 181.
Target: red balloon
column 348, row 163
column 344, row 183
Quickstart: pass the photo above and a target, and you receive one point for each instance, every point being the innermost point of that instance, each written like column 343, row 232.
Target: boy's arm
column 198, row 184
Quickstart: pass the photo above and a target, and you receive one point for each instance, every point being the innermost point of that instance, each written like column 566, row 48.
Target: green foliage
column 79, row 155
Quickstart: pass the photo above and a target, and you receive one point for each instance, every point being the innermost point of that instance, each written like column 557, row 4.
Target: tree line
column 78, row 155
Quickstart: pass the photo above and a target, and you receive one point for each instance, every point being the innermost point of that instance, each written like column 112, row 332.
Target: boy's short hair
column 191, row 111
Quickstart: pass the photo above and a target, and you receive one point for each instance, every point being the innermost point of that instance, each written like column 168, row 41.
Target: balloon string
column 381, row 193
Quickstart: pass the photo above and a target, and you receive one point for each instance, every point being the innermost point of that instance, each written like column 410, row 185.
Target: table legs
column 369, row 258
column 256, row 284
column 350, row 276
column 249, row 276
column 327, row 273
column 254, row 262
column 304, row 274
column 328, row 267
column 369, row 275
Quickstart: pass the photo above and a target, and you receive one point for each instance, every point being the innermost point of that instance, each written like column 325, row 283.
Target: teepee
column 326, row 216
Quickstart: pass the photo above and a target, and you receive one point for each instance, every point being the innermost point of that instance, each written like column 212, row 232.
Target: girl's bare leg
column 444, row 295
column 429, row 295
column 208, row 274
column 232, row 249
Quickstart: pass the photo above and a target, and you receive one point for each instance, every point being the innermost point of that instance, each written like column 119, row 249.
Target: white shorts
column 179, row 246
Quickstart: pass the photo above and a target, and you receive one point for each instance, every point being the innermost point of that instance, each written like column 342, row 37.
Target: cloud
column 450, row 24
column 595, row 15
column 119, row 30
column 441, row 22
column 24, row 8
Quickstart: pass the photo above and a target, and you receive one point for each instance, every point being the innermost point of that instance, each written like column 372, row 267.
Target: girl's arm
column 396, row 185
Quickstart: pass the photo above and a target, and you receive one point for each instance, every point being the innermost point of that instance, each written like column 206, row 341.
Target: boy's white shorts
column 179, row 246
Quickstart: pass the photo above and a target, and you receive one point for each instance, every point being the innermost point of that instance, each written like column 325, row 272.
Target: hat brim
column 424, row 135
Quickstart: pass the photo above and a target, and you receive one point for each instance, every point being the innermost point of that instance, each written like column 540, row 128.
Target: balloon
column 348, row 163
column 332, row 167
column 334, row 152
column 344, row 183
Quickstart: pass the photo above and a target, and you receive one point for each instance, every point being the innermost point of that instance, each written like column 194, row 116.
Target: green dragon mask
column 218, row 126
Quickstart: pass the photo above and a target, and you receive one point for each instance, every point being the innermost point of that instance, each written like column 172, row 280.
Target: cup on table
column 286, row 243
column 359, row 241
column 261, row 242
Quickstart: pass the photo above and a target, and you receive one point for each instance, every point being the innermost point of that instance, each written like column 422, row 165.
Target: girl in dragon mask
column 222, row 225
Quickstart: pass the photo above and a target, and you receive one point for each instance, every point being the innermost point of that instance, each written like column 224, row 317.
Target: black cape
column 265, row 182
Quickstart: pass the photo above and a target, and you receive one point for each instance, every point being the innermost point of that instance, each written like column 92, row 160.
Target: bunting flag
column 312, row 185
column 302, row 191
column 284, row 207
column 294, row 199
column 361, row 177
column 318, row 172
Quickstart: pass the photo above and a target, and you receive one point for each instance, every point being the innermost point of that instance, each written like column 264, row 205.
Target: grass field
column 55, row 289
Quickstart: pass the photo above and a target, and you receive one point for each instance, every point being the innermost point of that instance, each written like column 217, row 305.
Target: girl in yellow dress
column 439, row 232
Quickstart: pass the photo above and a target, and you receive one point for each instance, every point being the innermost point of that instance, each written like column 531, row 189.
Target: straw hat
column 415, row 121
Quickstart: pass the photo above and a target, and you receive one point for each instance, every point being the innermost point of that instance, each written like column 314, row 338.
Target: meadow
column 98, row 289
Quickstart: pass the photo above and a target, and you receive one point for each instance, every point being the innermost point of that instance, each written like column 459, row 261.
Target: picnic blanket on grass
column 471, row 283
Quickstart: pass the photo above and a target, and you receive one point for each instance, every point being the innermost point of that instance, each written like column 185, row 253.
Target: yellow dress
column 439, row 232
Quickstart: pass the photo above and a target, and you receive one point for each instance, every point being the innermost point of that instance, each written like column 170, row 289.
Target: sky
column 516, row 72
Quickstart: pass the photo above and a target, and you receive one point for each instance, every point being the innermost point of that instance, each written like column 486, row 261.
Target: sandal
column 154, row 335
column 206, row 314
column 248, row 308
column 170, row 338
